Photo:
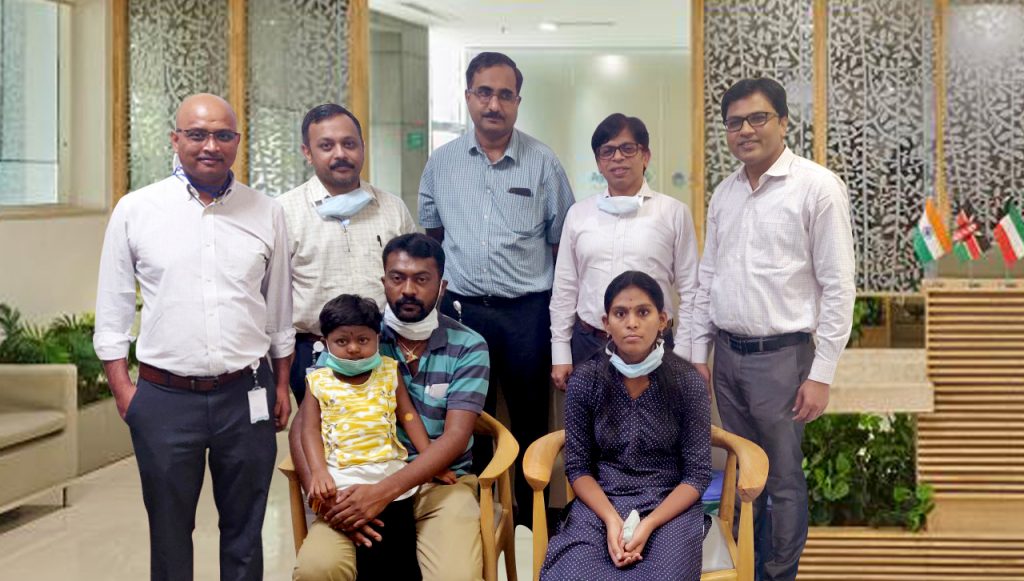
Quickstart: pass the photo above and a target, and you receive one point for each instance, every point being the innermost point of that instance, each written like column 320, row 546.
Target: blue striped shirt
column 452, row 375
column 500, row 219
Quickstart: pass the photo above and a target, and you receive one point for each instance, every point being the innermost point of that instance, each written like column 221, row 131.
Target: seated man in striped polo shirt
column 445, row 366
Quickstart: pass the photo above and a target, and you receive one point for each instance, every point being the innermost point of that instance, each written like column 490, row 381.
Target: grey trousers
column 755, row 395
column 173, row 431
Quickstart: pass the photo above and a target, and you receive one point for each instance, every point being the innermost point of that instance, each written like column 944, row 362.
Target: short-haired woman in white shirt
column 629, row 226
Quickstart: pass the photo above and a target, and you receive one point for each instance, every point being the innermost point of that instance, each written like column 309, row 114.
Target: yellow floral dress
column 358, row 424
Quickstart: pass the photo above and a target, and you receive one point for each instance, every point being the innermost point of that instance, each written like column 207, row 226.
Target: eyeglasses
column 628, row 149
column 201, row 135
column 484, row 95
column 759, row 119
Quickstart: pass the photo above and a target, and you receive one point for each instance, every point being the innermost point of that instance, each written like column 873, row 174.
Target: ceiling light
column 548, row 26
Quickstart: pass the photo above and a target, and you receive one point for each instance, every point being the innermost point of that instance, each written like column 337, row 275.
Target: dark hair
column 323, row 113
column 613, row 125
column 640, row 280
column 418, row 246
column 486, row 60
column 770, row 88
column 349, row 310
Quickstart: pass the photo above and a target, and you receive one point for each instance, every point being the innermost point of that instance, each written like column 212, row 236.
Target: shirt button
column 484, row 243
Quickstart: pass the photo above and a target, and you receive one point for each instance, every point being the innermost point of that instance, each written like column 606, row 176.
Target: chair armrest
column 35, row 387
column 540, row 458
column 753, row 462
column 506, row 450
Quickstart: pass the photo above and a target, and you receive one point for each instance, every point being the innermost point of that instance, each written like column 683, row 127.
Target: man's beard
column 397, row 308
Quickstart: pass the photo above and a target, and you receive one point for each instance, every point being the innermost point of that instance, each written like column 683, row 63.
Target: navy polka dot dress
column 638, row 450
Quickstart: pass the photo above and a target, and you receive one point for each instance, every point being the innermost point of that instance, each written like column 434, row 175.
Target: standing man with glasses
column 627, row 227
column 211, row 258
column 496, row 198
column 337, row 228
column 776, row 300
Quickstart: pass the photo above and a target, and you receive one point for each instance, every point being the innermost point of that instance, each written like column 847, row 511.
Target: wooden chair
column 497, row 532
column 753, row 472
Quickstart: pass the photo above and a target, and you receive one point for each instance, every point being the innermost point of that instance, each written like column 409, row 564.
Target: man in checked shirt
column 777, row 271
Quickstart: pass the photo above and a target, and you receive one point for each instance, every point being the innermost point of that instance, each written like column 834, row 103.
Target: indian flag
column 931, row 240
column 1009, row 234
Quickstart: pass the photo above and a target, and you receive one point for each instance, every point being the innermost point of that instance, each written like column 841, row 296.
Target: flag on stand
column 968, row 243
column 1009, row 234
column 931, row 239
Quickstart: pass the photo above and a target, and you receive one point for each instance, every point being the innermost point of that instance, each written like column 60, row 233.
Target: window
column 31, row 137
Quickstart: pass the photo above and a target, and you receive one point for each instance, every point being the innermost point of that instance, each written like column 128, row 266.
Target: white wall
column 48, row 264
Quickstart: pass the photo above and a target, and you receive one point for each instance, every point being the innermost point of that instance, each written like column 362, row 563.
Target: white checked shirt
column 779, row 259
column 215, row 280
column 597, row 246
column 330, row 257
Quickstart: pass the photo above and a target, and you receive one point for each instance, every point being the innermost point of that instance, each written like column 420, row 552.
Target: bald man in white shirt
column 210, row 256
column 776, row 299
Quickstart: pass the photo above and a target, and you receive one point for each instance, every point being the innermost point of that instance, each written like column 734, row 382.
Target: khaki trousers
column 447, row 539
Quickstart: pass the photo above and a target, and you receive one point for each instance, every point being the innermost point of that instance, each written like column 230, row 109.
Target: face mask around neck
column 645, row 367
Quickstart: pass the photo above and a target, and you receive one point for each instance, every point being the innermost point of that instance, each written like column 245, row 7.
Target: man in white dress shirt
column 776, row 300
column 627, row 227
column 210, row 256
column 337, row 228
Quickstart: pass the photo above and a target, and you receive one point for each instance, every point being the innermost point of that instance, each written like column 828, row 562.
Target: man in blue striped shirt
column 497, row 198
column 445, row 366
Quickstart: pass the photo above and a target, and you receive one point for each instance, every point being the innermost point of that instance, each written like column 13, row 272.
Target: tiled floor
column 103, row 534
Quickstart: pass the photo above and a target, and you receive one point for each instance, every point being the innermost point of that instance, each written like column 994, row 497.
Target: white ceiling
column 581, row 23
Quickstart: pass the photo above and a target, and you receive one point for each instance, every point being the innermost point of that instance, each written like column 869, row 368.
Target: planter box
column 102, row 436
column 873, row 337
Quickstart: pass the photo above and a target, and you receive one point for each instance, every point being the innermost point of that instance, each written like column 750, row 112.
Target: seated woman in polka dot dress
column 351, row 416
column 637, row 437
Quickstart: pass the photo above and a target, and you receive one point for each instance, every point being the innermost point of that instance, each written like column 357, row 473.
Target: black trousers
column 518, row 335
column 173, row 432
column 394, row 556
column 303, row 360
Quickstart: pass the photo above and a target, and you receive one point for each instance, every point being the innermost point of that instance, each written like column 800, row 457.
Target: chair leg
column 510, row 551
column 64, row 497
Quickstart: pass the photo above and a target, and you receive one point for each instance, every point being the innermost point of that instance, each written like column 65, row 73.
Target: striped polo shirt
column 500, row 219
column 452, row 375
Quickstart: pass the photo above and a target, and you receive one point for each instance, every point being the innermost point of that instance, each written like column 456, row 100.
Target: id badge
column 258, row 410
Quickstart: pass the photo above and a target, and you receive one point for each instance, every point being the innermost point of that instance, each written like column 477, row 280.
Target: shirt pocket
column 777, row 243
column 524, row 215
column 247, row 259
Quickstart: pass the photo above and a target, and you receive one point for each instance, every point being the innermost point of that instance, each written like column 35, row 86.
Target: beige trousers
column 447, row 539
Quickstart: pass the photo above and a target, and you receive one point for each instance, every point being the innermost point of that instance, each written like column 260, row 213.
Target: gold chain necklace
column 410, row 353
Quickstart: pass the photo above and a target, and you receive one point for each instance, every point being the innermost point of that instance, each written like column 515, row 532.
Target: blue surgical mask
column 618, row 205
column 343, row 206
column 645, row 367
column 348, row 367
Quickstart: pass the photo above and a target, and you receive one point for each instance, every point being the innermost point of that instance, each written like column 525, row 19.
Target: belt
column 592, row 330
column 748, row 345
column 492, row 301
column 307, row 338
column 168, row 379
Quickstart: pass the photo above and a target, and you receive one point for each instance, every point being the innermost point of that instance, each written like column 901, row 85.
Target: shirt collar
column 511, row 150
column 316, row 191
column 192, row 193
column 780, row 168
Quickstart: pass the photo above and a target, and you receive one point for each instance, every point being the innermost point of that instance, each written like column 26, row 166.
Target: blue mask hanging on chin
column 645, row 367
column 619, row 205
column 348, row 367
column 343, row 206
